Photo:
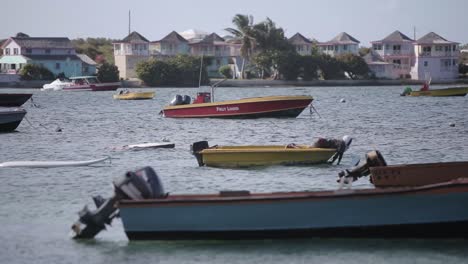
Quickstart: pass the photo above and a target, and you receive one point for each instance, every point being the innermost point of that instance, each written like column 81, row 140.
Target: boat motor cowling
column 140, row 184
column 196, row 147
column 177, row 100
column 186, row 99
column 373, row 159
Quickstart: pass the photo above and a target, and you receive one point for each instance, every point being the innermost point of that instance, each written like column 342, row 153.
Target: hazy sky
column 366, row 20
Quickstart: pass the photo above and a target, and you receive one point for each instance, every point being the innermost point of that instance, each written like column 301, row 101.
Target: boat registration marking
column 227, row 108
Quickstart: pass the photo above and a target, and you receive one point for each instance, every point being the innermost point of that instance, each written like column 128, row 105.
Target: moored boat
column 126, row 95
column 405, row 175
column 451, row 91
column 10, row 118
column 268, row 106
column 82, row 83
column 13, row 99
column 262, row 155
column 148, row 213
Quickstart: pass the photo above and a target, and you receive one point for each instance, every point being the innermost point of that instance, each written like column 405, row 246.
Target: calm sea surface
column 38, row 206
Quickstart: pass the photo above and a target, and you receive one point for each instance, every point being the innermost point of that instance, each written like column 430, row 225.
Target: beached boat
column 451, row 91
column 405, row 175
column 50, row 163
column 13, row 99
column 10, row 118
column 126, row 95
column 82, row 83
column 262, row 155
column 268, row 106
column 148, row 213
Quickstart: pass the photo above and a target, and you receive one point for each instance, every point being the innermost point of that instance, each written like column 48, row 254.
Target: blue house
column 56, row 54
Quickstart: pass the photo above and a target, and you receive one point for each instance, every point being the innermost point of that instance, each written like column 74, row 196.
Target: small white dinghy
column 149, row 145
column 50, row 164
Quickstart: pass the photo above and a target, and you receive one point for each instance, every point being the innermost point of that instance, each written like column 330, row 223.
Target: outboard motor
column 373, row 159
column 196, row 148
column 186, row 99
column 177, row 100
column 141, row 184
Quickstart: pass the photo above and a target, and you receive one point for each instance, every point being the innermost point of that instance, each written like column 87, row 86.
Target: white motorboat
column 56, row 85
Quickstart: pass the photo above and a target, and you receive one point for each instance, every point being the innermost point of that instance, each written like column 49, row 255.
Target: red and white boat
column 268, row 106
column 82, row 83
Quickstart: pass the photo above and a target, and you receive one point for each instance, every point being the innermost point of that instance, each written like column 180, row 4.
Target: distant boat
column 126, row 95
column 10, row 118
column 451, row 91
column 149, row 213
column 13, row 99
column 82, row 83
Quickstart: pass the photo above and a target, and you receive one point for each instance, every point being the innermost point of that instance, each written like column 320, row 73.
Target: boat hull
column 455, row 91
column 417, row 174
column 94, row 87
column 13, row 100
column 437, row 211
column 271, row 106
column 10, row 119
column 134, row 96
column 245, row 156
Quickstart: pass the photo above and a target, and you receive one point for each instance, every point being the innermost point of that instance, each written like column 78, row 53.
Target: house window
column 218, row 62
column 397, row 62
column 47, row 51
column 438, row 48
column 454, row 47
column 447, row 48
column 28, row 51
column 426, row 64
column 345, row 47
column 377, row 47
column 57, row 66
column 454, row 62
column 396, row 47
column 15, row 51
column 7, row 51
column 427, row 49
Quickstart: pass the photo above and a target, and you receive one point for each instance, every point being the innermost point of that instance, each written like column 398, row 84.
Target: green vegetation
column 33, row 72
column 226, row 71
column 271, row 55
column 181, row 70
column 108, row 73
column 98, row 49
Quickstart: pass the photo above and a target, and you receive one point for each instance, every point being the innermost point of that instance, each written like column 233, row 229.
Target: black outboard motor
column 141, row 184
column 373, row 159
column 177, row 100
column 186, row 99
column 196, row 148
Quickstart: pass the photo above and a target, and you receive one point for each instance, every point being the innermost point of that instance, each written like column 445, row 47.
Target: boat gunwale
column 280, row 149
column 439, row 188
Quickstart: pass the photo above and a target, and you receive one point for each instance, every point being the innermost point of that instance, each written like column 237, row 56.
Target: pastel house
column 128, row 52
column 56, row 54
column 343, row 43
column 302, row 44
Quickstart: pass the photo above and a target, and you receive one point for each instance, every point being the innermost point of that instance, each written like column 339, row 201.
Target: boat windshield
column 92, row 80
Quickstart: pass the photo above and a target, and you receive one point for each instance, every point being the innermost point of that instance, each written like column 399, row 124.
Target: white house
column 398, row 50
column 380, row 67
column 435, row 58
column 341, row 44
column 129, row 52
column 302, row 44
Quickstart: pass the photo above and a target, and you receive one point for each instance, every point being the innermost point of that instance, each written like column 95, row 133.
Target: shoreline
column 261, row 83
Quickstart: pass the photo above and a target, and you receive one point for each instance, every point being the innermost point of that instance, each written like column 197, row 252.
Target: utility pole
column 414, row 33
column 129, row 21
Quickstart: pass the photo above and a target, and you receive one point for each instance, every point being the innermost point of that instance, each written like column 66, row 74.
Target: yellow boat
column 134, row 96
column 453, row 91
column 255, row 155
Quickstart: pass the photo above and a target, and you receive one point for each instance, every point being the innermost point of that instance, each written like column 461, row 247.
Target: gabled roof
column 31, row 43
column 342, row 38
column 86, row 59
column 433, row 38
column 134, row 37
column 211, row 39
column 374, row 58
column 396, row 36
column 298, row 37
column 172, row 37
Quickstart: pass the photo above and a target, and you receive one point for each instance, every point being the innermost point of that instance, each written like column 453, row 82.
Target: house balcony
column 132, row 52
column 455, row 54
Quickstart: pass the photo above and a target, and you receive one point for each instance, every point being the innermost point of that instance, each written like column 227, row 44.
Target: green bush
column 226, row 71
column 33, row 72
column 181, row 70
column 108, row 73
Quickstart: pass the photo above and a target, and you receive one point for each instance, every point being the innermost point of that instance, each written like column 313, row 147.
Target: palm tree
column 245, row 31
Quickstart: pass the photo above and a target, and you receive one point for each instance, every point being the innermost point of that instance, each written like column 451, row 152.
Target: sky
column 366, row 20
